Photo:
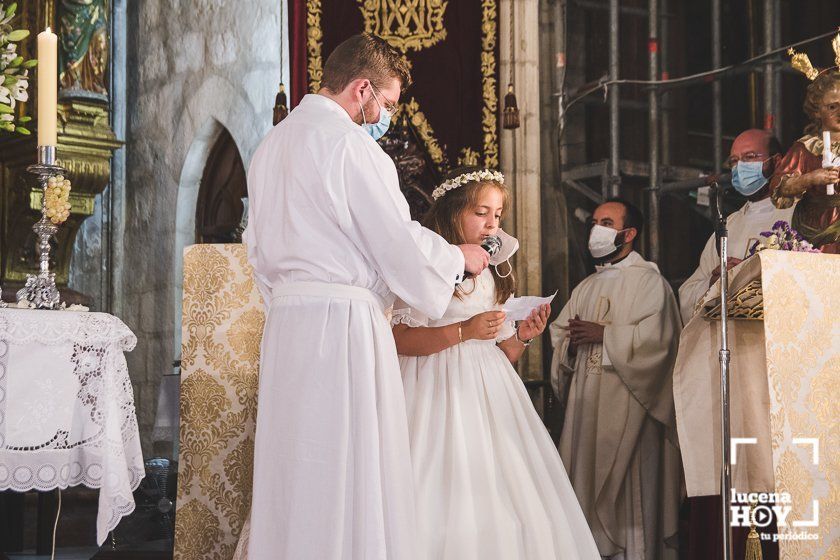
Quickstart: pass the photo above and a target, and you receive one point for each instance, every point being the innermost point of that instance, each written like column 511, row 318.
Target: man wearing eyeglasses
column 331, row 242
column 752, row 159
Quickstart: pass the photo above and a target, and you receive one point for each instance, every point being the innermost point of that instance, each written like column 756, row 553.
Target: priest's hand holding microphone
column 486, row 326
column 477, row 257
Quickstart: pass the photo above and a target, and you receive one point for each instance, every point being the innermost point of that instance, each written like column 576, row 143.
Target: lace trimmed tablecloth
column 67, row 408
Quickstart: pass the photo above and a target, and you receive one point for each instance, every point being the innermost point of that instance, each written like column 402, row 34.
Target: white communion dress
column 489, row 483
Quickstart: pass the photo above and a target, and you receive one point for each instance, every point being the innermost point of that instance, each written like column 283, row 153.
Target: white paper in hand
column 518, row 308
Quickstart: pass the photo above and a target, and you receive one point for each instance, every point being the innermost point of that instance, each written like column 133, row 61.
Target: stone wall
column 192, row 67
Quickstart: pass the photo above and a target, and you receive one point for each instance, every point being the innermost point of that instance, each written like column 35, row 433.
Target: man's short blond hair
column 364, row 56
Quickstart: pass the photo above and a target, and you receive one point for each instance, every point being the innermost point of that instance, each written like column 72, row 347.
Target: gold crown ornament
column 800, row 61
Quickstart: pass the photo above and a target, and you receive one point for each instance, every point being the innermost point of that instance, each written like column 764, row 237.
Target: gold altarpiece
column 86, row 141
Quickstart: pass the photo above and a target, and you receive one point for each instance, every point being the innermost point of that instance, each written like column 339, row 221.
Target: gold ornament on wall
column 379, row 13
column 468, row 158
column 405, row 24
column 489, row 122
column 314, row 40
column 424, row 129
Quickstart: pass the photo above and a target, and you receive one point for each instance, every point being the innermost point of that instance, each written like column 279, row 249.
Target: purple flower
column 788, row 239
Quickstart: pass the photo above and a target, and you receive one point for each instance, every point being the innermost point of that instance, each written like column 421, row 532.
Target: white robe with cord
column 331, row 242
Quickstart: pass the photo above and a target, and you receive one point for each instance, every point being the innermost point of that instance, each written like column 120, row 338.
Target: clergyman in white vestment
column 753, row 158
column 617, row 339
column 331, row 242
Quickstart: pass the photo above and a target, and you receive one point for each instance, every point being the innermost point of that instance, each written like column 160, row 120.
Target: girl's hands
column 535, row 324
column 484, row 326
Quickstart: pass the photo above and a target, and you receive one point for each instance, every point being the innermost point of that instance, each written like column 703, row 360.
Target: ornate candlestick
column 40, row 290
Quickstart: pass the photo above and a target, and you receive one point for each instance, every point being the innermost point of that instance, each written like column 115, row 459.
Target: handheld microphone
column 492, row 244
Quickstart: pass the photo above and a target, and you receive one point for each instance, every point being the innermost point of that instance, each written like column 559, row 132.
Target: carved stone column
column 520, row 156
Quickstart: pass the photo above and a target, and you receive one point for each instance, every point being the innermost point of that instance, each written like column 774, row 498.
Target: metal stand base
column 41, row 290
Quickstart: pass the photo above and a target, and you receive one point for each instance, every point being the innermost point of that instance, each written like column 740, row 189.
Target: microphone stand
column 722, row 238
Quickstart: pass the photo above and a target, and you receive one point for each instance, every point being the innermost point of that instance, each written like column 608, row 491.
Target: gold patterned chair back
column 222, row 326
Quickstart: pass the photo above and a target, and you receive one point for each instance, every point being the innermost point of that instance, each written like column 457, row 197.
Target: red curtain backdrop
column 297, row 51
column 455, row 79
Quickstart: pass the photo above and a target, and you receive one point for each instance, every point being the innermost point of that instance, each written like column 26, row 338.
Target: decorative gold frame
column 314, row 42
column 489, row 118
column 424, row 129
column 490, row 111
column 430, row 17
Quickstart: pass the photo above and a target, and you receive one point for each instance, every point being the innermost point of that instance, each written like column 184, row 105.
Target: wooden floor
column 65, row 554
column 153, row 551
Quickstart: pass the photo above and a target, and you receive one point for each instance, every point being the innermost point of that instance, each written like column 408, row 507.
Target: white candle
column 47, row 87
column 828, row 158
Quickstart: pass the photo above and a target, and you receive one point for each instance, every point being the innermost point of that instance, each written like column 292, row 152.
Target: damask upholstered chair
column 222, row 327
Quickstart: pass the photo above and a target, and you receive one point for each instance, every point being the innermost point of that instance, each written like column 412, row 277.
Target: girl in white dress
column 489, row 483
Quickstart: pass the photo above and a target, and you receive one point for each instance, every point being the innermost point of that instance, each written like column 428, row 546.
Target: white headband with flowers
column 463, row 179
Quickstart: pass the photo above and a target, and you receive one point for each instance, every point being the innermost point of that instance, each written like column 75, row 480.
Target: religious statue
column 809, row 171
column 83, row 56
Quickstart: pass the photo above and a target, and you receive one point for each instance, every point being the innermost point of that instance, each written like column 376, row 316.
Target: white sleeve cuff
column 605, row 356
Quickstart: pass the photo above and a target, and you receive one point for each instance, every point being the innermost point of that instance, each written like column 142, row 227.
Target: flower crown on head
column 464, row 178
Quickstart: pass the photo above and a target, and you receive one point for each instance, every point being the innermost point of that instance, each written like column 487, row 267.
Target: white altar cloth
column 67, row 408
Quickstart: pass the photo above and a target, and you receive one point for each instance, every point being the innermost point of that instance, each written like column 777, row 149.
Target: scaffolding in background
column 662, row 177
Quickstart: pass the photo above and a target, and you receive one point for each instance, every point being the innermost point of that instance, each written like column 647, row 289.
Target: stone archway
column 189, row 186
column 223, row 188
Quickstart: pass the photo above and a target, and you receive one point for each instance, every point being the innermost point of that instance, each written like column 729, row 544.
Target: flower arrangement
column 782, row 237
column 14, row 72
column 57, row 199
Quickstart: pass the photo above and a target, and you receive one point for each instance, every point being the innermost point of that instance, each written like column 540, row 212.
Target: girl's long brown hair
column 444, row 218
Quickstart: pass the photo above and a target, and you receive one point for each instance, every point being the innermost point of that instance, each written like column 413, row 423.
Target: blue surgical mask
column 378, row 129
column 747, row 177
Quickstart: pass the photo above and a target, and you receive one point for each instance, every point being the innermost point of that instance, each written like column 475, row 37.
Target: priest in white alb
column 615, row 343
column 332, row 243
column 752, row 159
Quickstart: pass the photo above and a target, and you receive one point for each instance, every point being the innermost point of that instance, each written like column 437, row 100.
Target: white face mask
column 602, row 241
column 510, row 245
